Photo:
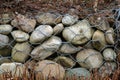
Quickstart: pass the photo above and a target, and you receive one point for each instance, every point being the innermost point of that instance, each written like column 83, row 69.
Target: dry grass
column 94, row 76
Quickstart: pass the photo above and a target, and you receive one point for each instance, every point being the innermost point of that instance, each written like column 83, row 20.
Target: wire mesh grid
column 52, row 46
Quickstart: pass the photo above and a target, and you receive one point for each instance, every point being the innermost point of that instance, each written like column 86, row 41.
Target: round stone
column 65, row 61
column 89, row 58
column 4, row 40
column 79, row 33
column 49, row 70
column 5, row 29
column 20, row 36
column 78, row 73
column 98, row 40
column 21, row 52
column 69, row 19
column 109, row 54
column 58, row 28
column 107, row 69
column 47, row 48
column 110, row 36
column 23, row 23
column 41, row 33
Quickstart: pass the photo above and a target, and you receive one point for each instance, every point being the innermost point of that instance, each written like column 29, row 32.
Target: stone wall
column 58, row 45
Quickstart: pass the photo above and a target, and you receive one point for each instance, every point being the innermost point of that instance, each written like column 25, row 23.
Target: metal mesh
column 116, row 46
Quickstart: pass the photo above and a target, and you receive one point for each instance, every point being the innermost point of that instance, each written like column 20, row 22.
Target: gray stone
column 6, row 18
column 50, row 70
column 23, row 23
column 65, row 61
column 47, row 48
column 58, row 28
column 41, row 33
column 6, row 51
column 78, row 73
column 69, row 19
column 110, row 36
column 67, row 48
column 4, row 60
column 79, row 33
column 5, row 29
column 48, row 18
column 19, row 36
column 89, row 58
column 98, row 40
column 16, row 69
column 109, row 54
column 21, row 52
column 100, row 23
column 4, row 40
column 107, row 69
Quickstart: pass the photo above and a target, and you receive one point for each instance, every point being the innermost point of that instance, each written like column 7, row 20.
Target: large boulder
column 79, row 33
column 41, row 33
column 21, row 52
column 47, row 69
column 89, row 58
column 47, row 48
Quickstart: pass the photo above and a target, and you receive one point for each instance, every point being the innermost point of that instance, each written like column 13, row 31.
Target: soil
column 79, row 7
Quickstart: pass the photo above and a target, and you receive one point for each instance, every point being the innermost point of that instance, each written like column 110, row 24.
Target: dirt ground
column 79, row 7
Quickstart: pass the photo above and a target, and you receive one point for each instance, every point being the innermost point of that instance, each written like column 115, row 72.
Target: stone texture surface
column 65, row 61
column 19, row 36
column 58, row 28
column 79, row 33
column 48, row 18
column 5, row 29
column 16, row 69
column 107, row 69
column 89, row 58
column 99, row 41
column 23, row 23
column 110, row 36
column 21, row 51
column 6, row 18
column 4, row 60
column 47, row 48
column 109, row 54
column 49, row 70
column 69, row 19
column 4, row 40
column 78, row 73
column 67, row 48
column 41, row 33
